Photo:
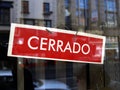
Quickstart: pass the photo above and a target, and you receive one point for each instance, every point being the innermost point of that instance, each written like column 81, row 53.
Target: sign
column 55, row 44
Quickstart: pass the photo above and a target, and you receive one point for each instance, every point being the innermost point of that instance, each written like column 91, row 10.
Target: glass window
column 82, row 18
column 46, row 7
column 29, row 21
column 94, row 13
column 83, row 4
column 4, row 16
column 111, row 15
column 49, row 75
column 25, row 8
column 110, row 5
column 8, row 73
column 67, row 2
column 82, row 12
column 77, row 3
column 48, row 23
column 77, row 12
column 37, row 74
column 111, row 19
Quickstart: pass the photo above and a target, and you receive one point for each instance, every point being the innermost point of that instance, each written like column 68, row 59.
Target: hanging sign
column 29, row 41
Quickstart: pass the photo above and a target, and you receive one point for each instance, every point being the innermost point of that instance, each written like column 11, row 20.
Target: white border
column 12, row 30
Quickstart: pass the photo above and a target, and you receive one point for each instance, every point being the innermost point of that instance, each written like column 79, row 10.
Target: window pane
column 67, row 3
column 84, row 4
column 4, row 16
column 111, row 5
column 82, row 18
column 25, row 8
column 46, row 7
column 29, row 21
column 47, row 74
column 111, row 19
column 77, row 3
column 48, row 23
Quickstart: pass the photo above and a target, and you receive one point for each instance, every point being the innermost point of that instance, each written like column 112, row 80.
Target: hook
column 75, row 35
column 48, row 30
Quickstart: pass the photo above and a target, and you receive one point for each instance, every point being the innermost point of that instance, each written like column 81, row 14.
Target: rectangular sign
column 28, row 41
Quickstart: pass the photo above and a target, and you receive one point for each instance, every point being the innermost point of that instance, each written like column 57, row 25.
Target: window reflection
column 111, row 15
column 84, row 4
column 82, row 11
column 51, row 75
column 4, row 16
column 111, row 5
column 8, row 80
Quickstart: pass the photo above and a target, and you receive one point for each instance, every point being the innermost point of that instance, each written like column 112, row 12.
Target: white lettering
column 29, row 42
column 85, row 52
column 76, row 46
column 51, row 44
column 43, row 43
column 68, row 47
column 59, row 45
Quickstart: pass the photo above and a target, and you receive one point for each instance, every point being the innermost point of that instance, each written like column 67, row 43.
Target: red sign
column 55, row 44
